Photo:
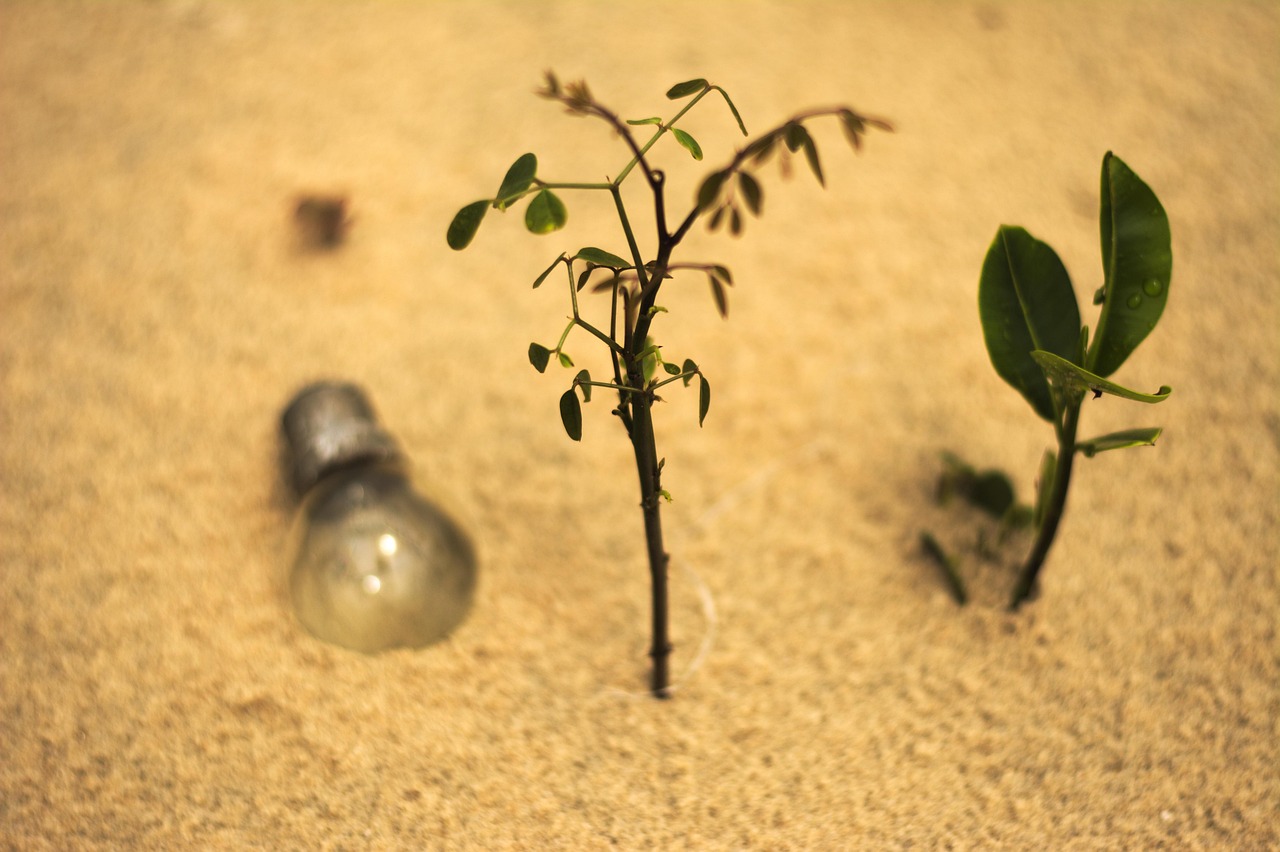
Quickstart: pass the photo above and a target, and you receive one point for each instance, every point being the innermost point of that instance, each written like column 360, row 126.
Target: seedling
column 634, row 277
column 1031, row 323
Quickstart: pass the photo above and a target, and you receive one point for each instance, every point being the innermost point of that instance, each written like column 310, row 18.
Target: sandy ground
column 156, row 313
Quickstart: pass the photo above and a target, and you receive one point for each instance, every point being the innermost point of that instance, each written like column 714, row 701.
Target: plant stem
column 1054, row 506
column 646, row 453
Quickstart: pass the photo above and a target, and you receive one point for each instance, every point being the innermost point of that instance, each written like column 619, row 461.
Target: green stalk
column 1054, row 506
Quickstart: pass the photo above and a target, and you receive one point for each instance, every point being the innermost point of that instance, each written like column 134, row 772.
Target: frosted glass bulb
column 373, row 565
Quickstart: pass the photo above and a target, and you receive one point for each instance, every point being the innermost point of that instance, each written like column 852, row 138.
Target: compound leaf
column 1137, row 259
column 1026, row 302
column 462, row 229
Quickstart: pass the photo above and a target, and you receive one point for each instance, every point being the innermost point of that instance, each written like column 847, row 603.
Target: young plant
column 633, row 277
column 1031, row 323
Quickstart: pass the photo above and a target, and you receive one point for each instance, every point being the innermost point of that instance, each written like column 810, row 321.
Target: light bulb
column 373, row 565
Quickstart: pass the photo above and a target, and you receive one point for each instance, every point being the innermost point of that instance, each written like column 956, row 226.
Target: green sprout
column 633, row 278
column 1031, row 323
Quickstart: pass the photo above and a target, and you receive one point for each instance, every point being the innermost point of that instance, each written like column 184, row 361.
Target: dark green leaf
column 704, row 398
column 600, row 257
column 709, row 191
column 1138, row 261
column 638, row 121
column 751, row 192
column 716, row 217
column 992, row 492
column 571, row 414
column 722, row 300
column 796, row 134
column 733, row 109
column 723, row 273
column 465, row 224
column 687, row 142
column 1076, row 380
column 689, row 369
column 735, row 221
column 811, row 154
column 518, row 179
column 758, row 151
column 854, row 127
column 1026, row 302
column 546, row 213
column 672, row 369
column 543, row 277
column 582, row 382
column 539, row 356
column 687, row 88
column 1119, row 441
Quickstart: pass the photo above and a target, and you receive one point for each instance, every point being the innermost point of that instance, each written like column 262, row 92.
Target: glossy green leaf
column 1119, row 441
column 751, row 192
column 687, row 142
column 687, row 88
column 543, row 277
column 600, row 257
column 462, row 229
column 1026, row 302
column 1076, row 380
column 546, row 213
column 582, row 382
column 1137, row 258
column 571, row 414
column 539, row 357
column 704, row 398
column 519, row 178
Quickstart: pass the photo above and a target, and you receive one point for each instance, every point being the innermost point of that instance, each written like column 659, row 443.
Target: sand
column 157, row 311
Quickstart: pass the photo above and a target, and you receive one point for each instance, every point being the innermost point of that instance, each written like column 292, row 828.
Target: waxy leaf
column 546, row 213
column 571, row 414
column 687, row 142
column 704, row 398
column 687, row 88
column 1119, row 441
column 1138, row 262
column 465, row 224
column 1076, row 380
column 539, row 356
column 518, row 179
column 600, row 257
column 1026, row 302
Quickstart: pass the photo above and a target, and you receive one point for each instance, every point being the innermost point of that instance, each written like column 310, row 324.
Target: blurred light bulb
column 373, row 565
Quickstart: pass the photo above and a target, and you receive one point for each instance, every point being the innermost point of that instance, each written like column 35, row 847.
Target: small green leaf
column 1026, row 302
column 639, row 121
column 665, row 494
column 718, row 293
column 709, row 191
column 733, row 109
column 723, row 273
column 1074, row 379
column 685, row 89
column 1119, row 441
column 546, row 213
column 811, row 154
column 582, row 382
column 571, row 414
column 689, row 369
column 796, row 134
column 687, row 142
column 704, row 398
column 465, row 224
column 600, row 257
column 735, row 221
column 518, row 179
column 751, row 192
column 672, row 369
column 854, row 127
column 539, row 356
column 650, row 358
column 565, row 360
column 543, row 277
column 1138, row 261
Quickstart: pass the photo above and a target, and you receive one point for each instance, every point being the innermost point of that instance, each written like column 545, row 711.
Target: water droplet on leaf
column 1152, row 287
column 1134, row 301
